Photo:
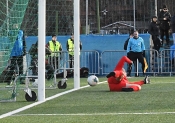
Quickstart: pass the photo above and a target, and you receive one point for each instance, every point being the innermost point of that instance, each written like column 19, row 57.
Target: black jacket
column 164, row 24
column 126, row 44
column 173, row 24
column 153, row 29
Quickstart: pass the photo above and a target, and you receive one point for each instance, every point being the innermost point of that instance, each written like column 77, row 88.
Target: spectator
column 154, row 31
column 127, row 40
column 129, row 68
column 136, row 50
column 55, row 47
column 172, row 55
column 164, row 19
column 172, row 48
column 34, row 62
column 70, row 49
column 18, row 51
column 172, row 22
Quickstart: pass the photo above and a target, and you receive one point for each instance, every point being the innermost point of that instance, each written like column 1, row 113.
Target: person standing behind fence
column 153, row 29
column 172, row 23
column 136, row 50
column 34, row 61
column 18, row 51
column 172, row 55
column 164, row 20
column 172, row 48
column 70, row 49
column 55, row 48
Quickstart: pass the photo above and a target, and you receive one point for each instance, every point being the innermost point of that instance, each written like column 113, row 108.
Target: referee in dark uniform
column 136, row 49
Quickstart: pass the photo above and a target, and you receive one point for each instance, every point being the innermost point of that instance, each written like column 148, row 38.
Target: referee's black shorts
column 136, row 55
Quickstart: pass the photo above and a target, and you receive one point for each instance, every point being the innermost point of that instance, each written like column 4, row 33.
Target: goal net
column 18, row 15
column 11, row 17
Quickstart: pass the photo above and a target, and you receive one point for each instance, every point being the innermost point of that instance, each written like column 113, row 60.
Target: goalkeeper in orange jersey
column 117, row 80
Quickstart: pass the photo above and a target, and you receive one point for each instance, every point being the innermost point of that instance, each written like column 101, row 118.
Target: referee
column 136, row 49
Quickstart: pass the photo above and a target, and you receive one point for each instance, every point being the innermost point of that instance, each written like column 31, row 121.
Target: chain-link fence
column 115, row 16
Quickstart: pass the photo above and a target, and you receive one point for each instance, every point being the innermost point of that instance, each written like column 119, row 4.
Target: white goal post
column 41, row 48
column 42, row 41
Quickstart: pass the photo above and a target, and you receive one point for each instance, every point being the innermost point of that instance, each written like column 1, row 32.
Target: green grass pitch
column 155, row 103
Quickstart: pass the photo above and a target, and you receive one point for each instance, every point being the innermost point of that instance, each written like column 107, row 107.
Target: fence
column 109, row 64
column 105, row 62
column 118, row 13
column 89, row 59
column 167, row 65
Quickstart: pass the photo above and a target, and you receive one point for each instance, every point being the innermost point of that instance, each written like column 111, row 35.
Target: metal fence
column 108, row 65
column 167, row 65
column 114, row 16
column 89, row 59
column 105, row 62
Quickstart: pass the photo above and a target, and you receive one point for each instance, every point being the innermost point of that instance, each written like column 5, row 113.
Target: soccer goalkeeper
column 117, row 80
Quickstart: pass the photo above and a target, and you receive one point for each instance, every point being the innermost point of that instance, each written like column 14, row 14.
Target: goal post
column 76, row 43
column 41, row 56
column 41, row 49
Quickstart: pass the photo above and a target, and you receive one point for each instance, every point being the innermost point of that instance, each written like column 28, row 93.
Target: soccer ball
column 92, row 80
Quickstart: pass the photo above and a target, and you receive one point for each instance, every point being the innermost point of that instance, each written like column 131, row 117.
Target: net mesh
column 59, row 15
column 11, row 17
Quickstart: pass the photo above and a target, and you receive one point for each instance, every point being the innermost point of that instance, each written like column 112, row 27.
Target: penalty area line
column 40, row 102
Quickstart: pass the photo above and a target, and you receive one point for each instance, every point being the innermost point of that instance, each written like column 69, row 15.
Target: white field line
column 97, row 114
column 40, row 102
